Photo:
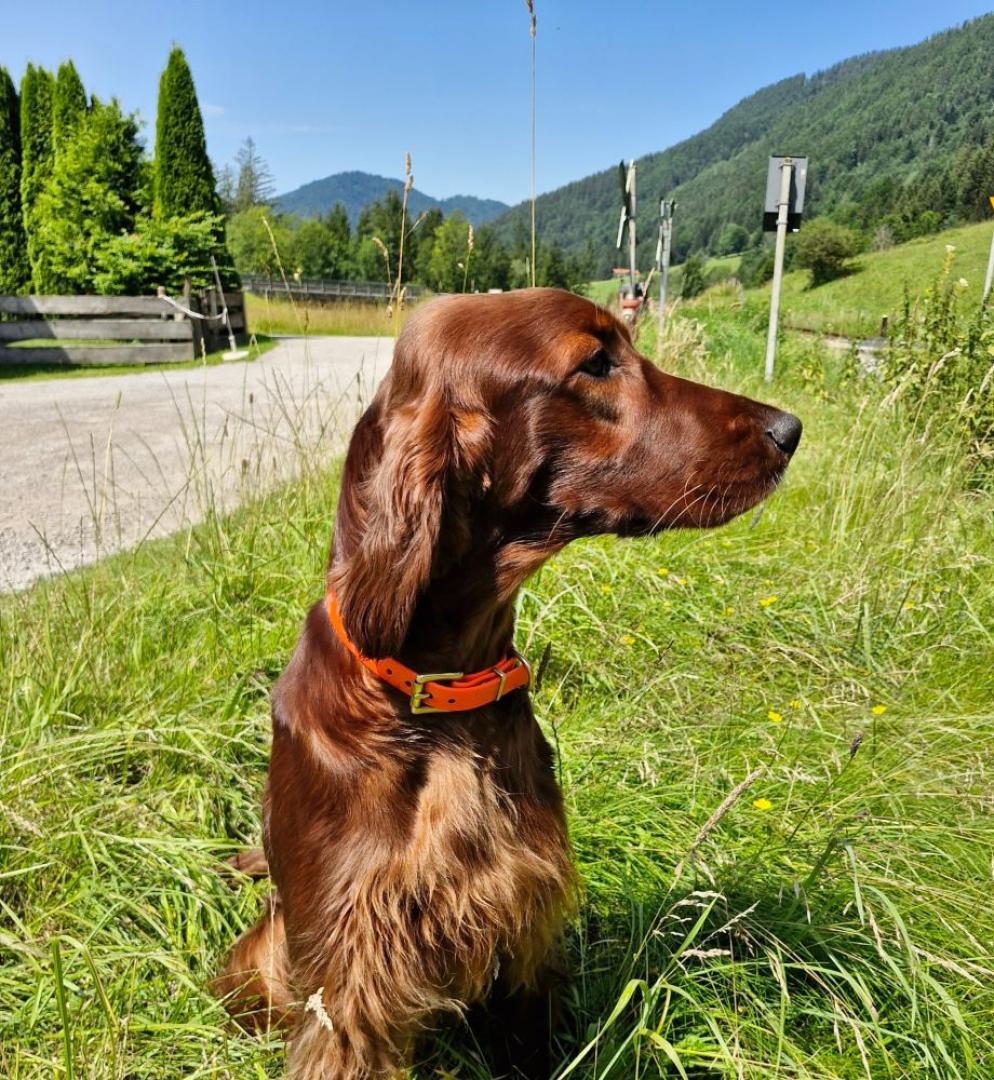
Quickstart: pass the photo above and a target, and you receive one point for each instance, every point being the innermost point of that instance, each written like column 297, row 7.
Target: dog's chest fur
column 450, row 861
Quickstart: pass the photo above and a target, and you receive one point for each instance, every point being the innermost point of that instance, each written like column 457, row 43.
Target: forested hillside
column 358, row 190
column 899, row 138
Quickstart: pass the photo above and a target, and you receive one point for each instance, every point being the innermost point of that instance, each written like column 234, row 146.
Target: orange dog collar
column 448, row 691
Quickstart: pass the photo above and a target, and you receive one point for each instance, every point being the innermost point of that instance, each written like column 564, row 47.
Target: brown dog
column 420, row 856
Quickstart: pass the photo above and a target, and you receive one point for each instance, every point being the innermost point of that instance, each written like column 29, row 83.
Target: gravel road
column 90, row 466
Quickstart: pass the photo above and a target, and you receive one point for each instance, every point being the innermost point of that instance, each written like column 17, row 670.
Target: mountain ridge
column 895, row 117
column 356, row 190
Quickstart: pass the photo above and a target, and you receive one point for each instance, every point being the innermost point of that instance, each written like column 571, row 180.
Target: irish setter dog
column 420, row 857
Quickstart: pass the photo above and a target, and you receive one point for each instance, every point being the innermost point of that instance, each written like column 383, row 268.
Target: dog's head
column 511, row 424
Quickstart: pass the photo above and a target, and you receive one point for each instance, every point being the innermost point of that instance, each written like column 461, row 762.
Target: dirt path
column 89, row 466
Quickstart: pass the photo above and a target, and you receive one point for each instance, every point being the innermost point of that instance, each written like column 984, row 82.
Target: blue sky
column 328, row 86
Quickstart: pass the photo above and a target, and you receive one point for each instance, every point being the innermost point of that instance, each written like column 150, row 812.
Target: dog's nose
column 785, row 431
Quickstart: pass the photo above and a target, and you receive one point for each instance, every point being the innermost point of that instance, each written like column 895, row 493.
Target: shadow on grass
column 843, row 272
column 36, row 372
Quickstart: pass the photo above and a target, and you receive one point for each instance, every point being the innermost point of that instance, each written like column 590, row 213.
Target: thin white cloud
column 213, row 110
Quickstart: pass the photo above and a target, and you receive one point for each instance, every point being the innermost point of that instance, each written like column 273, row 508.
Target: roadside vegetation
column 773, row 739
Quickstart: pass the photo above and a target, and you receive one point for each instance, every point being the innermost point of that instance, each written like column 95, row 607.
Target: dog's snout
column 785, row 431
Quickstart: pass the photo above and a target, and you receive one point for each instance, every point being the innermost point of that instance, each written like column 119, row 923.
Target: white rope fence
column 220, row 317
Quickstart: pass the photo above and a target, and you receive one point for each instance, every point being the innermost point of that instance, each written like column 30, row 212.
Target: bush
column 732, row 239
column 161, row 251
column 941, row 364
column 825, row 249
column 694, row 282
column 92, row 195
column 756, row 266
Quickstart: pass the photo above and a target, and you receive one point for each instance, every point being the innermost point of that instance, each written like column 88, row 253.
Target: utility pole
column 666, row 208
column 630, row 189
column 629, row 305
column 989, row 279
column 783, row 206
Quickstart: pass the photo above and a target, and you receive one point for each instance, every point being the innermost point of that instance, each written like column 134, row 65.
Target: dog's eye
column 599, row 365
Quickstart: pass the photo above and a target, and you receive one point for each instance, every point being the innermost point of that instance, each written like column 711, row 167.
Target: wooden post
column 195, row 328
column 783, row 204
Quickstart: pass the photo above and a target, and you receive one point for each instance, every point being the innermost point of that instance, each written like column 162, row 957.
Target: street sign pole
column 783, row 204
column 989, row 279
column 663, row 262
column 631, row 224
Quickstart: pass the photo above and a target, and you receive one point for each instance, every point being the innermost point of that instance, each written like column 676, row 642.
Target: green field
column 834, row 920
column 853, row 305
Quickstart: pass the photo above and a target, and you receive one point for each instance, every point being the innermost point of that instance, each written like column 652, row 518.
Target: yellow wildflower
column 774, row 716
column 794, row 703
column 762, row 804
column 605, row 588
column 662, row 571
column 767, row 600
column 627, row 639
column 729, row 611
column 878, row 710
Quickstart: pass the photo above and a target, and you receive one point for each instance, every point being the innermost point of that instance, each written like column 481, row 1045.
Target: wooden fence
column 376, row 292
column 105, row 330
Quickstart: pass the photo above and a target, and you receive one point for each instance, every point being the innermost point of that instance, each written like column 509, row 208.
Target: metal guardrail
column 318, row 289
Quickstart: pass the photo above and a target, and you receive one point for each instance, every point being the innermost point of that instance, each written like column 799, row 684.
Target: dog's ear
column 428, row 449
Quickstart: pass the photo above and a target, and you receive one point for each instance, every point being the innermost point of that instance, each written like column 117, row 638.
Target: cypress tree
column 68, row 105
column 15, row 273
column 184, row 179
column 36, row 146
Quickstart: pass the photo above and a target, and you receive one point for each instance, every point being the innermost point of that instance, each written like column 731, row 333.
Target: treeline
column 443, row 253
column 84, row 208
column 899, row 144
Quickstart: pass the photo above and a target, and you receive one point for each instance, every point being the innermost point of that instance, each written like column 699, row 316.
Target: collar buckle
column 419, row 693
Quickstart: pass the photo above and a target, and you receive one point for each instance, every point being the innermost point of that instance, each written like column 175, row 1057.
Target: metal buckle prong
column 502, row 675
column 419, row 693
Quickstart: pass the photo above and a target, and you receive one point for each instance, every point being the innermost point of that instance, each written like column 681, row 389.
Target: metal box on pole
column 795, row 204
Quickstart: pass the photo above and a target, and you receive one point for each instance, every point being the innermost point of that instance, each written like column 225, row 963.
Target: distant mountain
column 356, row 190
column 886, row 132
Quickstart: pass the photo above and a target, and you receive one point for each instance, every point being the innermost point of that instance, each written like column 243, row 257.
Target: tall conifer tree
column 184, row 178
column 15, row 272
column 68, row 105
column 36, row 146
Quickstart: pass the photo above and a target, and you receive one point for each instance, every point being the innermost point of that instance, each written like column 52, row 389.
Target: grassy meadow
column 853, row 305
column 282, row 315
column 774, row 741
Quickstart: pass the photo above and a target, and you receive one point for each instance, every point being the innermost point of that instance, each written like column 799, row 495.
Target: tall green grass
column 831, row 917
column 282, row 315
